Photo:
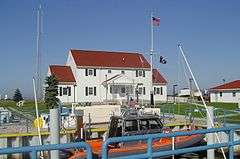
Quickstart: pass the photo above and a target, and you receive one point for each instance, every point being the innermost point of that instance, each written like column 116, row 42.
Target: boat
column 136, row 122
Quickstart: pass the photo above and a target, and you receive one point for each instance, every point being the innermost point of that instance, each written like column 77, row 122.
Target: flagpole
column 151, row 61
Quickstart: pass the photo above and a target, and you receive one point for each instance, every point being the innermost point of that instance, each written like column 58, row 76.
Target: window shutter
column 94, row 72
column 143, row 73
column 154, row 90
column 161, row 90
column 69, row 91
column 144, row 91
column 111, row 89
column 86, row 91
column 95, row 91
column 60, row 91
column 86, row 72
column 136, row 73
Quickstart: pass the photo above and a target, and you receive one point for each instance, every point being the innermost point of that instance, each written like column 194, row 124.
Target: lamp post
column 174, row 92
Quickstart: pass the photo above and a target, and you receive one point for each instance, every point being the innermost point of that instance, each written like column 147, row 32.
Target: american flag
column 156, row 21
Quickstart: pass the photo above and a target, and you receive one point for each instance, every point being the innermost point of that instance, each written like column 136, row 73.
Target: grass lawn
column 228, row 106
column 28, row 106
column 185, row 109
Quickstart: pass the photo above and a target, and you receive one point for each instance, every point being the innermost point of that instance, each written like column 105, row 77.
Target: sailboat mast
column 204, row 103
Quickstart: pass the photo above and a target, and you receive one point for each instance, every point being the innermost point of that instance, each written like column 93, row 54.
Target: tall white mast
column 38, row 75
column 204, row 103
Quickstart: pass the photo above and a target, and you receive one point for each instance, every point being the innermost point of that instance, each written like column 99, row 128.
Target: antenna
column 38, row 74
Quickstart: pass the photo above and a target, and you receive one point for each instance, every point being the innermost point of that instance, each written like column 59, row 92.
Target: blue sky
column 208, row 30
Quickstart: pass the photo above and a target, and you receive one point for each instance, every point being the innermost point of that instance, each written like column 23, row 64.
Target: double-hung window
column 64, row 91
column 90, row 72
column 140, row 73
column 89, row 91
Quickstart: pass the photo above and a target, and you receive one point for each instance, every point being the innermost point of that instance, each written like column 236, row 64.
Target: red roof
column 157, row 77
column 109, row 59
column 62, row 73
column 230, row 85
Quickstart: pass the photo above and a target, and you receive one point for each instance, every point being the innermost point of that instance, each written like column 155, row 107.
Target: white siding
column 227, row 97
column 66, row 98
column 83, row 81
column 161, row 97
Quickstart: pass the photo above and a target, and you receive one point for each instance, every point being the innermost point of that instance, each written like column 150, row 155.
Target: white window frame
column 109, row 71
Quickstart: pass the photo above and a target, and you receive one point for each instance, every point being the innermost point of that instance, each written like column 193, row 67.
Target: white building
column 97, row 76
column 228, row 92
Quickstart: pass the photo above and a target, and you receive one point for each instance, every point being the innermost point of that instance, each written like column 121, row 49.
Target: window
column 65, row 91
column 157, row 90
column 220, row 93
column 140, row 90
column 90, row 72
column 140, row 73
column 234, row 94
column 109, row 71
column 90, row 91
column 149, row 124
column 123, row 90
column 122, row 72
column 161, row 91
column 131, row 125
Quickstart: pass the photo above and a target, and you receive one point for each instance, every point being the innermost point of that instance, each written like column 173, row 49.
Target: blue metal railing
column 34, row 149
column 150, row 137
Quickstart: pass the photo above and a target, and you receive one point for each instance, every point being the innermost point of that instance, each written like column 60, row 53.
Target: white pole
column 204, row 103
column 173, row 145
column 151, row 59
column 54, row 131
column 210, row 137
column 37, row 114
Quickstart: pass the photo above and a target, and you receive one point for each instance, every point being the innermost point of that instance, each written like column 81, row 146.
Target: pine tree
column 17, row 95
column 51, row 91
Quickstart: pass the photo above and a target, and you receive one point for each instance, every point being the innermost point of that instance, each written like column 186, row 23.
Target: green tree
column 51, row 91
column 17, row 95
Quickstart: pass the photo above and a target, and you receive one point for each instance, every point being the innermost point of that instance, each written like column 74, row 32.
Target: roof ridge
column 122, row 52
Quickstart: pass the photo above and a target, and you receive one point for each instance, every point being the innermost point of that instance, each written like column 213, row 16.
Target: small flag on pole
column 156, row 21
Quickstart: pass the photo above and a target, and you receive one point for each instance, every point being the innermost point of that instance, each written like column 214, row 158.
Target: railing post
column 231, row 140
column 105, row 150
column 34, row 154
column 89, row 152
column 149, row 148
